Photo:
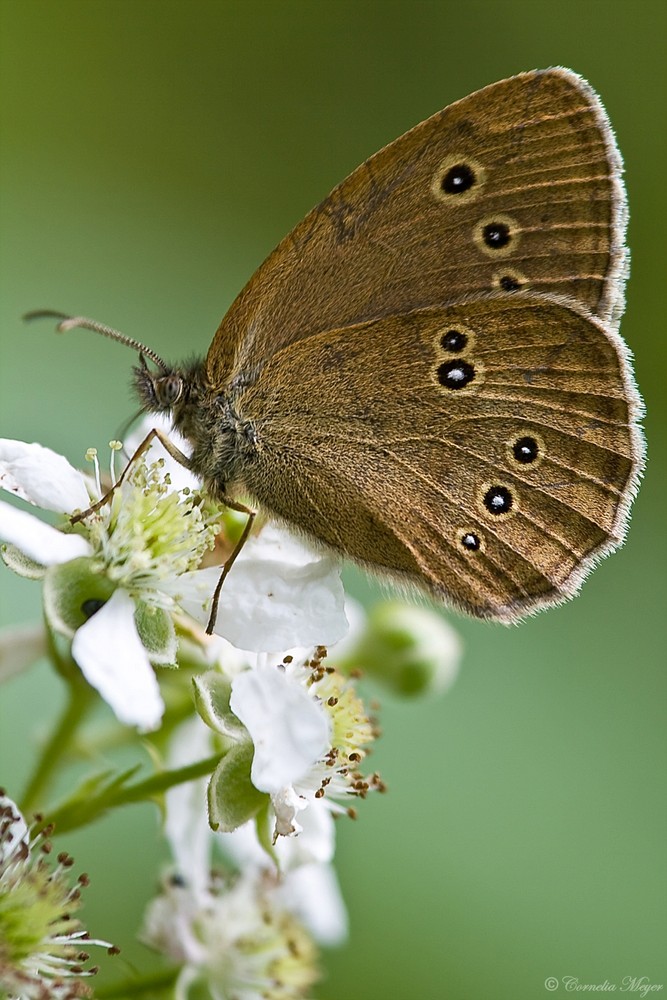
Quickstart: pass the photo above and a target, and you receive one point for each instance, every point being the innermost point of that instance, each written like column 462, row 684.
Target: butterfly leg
column 252, row 514
column 155, row 434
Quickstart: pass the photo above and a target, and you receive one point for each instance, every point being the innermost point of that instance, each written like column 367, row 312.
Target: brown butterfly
column 426, row 374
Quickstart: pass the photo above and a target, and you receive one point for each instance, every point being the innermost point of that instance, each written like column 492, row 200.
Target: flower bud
column 411, row 650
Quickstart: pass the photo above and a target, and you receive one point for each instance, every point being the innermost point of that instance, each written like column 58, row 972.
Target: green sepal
column 212, row 693
column 232, row 797
column 264, row 830
column 60, row 653
column 67, row 587
column 21, row 563
column 156, row 631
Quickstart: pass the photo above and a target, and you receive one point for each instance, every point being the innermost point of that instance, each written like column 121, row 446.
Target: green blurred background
column 152, row 155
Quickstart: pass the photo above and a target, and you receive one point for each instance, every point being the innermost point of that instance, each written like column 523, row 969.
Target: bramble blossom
column 234, row 938
column 43, row 945
column 237, row 935
column 115, row 581
column 294, row 731
column 301, row 867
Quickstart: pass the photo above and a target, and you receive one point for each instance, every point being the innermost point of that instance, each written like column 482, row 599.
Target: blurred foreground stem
column 80, row 697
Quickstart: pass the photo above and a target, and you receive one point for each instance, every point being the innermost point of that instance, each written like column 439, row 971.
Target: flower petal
column 41, row 476
column 314, row 845
column 317, row 842
column 287, row 804
column 279, row 594
column 289, row 729
column 313, row 895
column 43, row 543
column 110, row 654
column 20, row 646
column 186, row 825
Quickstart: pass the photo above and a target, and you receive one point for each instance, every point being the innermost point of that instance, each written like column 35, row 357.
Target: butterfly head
column 219, row 439
column 158, row 391
column 179, row 392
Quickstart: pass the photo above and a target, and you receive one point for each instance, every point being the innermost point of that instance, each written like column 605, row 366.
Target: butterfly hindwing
column 484, row 450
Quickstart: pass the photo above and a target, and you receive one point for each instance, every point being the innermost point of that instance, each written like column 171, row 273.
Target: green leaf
column 91, row 799
column 232, row 797
column 156, row 631
column 212, row 692
column 71, row 591
column 20, row 647
column 98, row 794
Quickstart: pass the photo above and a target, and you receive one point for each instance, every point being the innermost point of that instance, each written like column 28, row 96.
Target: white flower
column 42, row 942
column 235, row 940
column 107, row 585
column 307, row 887
column 236, row 936
column 113, row 584
column 309, row 730
column 280, row 593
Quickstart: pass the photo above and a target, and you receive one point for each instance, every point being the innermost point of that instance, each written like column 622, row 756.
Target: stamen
column 115, row 446
column 91, row 456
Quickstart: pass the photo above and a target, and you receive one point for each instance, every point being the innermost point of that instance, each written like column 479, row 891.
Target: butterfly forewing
column 516, row 187
column 428, row 368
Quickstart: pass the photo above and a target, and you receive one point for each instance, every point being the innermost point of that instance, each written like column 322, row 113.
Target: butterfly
column 426, row 374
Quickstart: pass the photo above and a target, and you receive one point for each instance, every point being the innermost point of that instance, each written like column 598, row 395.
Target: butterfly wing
column 516, row 186
column 487, row 450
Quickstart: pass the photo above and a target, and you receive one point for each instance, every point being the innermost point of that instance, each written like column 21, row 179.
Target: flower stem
column 136, row 987
column 80, row 697
column 82, row 809
column 165, row 779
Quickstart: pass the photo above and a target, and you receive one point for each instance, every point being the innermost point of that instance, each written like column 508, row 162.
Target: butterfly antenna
column 73, row 322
